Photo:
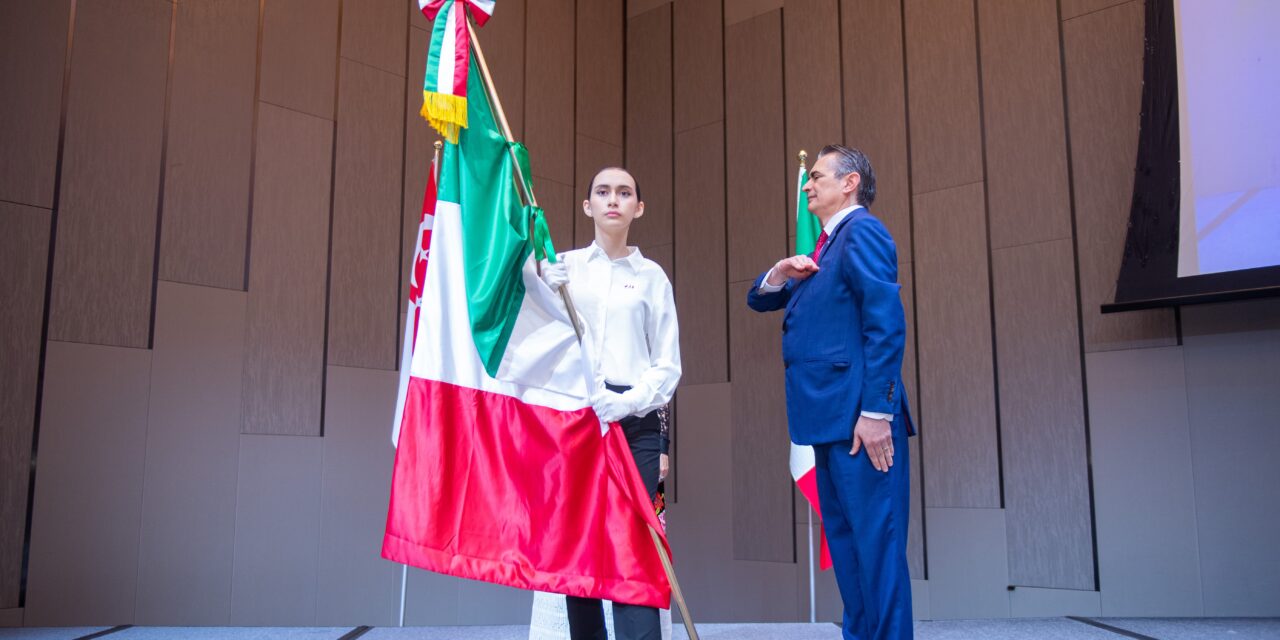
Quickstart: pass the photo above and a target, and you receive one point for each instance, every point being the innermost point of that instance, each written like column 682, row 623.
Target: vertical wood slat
column 649, row 137
column 300, row 55
column 697, row 56
column 697, row 49
column 942, row 78
column 206, row 196
column 105, row 258
column 875, row 107
column 87, row 510
column 811, row 75
column 373, row 34
column 700, row 254
column 33, row 48
column 363, row 299
column 1025, row 133
column 189, row 476
column 549, row 113
column 956, row 405
column 1104, row 92
column 762, row 497
column 598, row 88
column 503, row 39
column 599, row 70
column 754, row 140
column 1046, row 467
column 274, row 577
column 283, row 370
column 24, row 261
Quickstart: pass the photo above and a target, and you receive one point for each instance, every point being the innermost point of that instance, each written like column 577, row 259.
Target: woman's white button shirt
column 628, row 307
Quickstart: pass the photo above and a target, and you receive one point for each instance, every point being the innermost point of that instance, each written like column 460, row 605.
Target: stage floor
column 1004, row 629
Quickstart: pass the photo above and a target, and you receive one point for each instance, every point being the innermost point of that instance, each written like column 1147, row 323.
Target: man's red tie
column 817, row 249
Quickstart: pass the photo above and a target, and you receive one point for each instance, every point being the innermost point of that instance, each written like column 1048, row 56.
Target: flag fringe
column 445, row 112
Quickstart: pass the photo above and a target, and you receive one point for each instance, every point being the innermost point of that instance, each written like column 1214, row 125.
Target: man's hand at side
column 798, row 267
column 876, row 436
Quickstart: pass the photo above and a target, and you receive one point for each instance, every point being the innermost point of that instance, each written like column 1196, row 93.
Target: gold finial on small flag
column 439, row 145
column 804, row 156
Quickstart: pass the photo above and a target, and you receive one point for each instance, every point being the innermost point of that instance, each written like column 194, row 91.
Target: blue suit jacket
column 843, row 334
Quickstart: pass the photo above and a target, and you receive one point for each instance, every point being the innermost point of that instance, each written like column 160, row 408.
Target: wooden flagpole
column 527, row 189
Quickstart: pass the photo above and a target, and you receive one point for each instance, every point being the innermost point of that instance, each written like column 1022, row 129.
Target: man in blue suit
column 843, row 335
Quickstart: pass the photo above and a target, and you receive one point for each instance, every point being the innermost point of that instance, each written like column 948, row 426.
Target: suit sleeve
column 871, row 268
column 762, row 302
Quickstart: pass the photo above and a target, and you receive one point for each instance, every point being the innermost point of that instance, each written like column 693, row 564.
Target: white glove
column 556, row 275
column 612, row 407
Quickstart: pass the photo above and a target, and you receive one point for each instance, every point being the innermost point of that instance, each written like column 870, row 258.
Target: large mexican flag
column 503, row 472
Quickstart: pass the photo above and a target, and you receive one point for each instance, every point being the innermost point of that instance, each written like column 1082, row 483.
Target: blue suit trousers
column 865, row 515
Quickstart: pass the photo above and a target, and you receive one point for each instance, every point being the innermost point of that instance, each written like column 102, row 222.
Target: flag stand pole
column 527, row 190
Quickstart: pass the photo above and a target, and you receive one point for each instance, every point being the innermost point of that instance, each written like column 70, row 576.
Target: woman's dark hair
column 592, row 187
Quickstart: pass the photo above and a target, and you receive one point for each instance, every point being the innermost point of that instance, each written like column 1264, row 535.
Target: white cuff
column 765, row 287
column 878, row 416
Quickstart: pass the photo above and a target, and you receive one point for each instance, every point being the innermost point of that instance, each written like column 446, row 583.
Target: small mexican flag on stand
column 803, row 467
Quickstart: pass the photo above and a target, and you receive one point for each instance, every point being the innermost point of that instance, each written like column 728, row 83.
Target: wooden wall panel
column 811, row 74
column 105, row 259
column 83, row 566
column 762, row 497
column 1075, row 8
column 599, row 70
column 736, row 11
column 549, row 115
column 957, row 412
column 504, row 48
column 1046, row 467
column 24, row 261
column 277, row 532
column 33, row 52
column 875, row 107
column 206, row 195
column 591, row 156
column 758, row 169
column 1027, row 190
column 700, row 254
column 354, row 584
column 942, row 90
column 373, row 33
column 762, row 488
column 192, row 440
column 649, row 136
column 300, row 55
column 283, row 371
column 697, row 45
column 1104, row 94
column 561, row 205
column 363, row 285
column 716, row 580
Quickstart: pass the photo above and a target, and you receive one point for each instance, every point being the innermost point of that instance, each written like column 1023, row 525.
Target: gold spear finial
column 439, row 145
column 804, row 156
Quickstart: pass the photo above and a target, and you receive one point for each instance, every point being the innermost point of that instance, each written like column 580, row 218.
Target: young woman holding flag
column 626, row 304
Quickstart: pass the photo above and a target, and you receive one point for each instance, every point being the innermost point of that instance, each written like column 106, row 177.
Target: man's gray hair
column 850, row 160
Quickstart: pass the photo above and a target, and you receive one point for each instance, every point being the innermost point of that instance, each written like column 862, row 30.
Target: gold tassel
column 445, row 112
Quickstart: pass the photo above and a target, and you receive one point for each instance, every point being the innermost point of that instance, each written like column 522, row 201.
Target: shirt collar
column 633, row 258
column 840, row 215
